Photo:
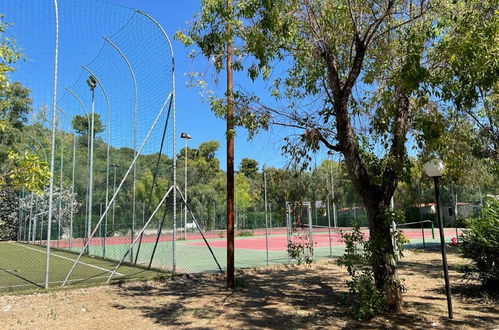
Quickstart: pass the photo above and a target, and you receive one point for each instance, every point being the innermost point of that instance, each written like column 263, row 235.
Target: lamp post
column 92, row 83
column 435, row 169
column 186, row 137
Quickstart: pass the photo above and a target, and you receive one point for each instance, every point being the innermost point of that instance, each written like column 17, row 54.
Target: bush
column 480, row 243
column 244, row 233
column 300, row 247
column 360, row 254
column 9, row 215
column 367, row 300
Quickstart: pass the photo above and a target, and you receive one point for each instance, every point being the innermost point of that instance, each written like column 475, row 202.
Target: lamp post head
column 92, row 82
column 185, row 135
column 114, row 165
column 434, row 168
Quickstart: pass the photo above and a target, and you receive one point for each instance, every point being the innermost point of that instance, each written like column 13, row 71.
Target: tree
column 361, row 67
column 81, row 124
column 467, row 73
column 249, row 167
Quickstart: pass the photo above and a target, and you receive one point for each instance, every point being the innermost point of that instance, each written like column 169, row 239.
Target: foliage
column 301, row 247
column 64, row 204
column 9, row 213
column 81, row 124
column 249, row 167
column 480, row 243
column 8, row 55
column 367, row 299
column 26, row 170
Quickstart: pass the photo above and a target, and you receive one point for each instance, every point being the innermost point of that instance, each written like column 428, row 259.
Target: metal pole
column 60, row 191
column 52, row 143
column 309, row 213
column 91, row 170
column 422, row 232
column 442, row 245
column 329, row 228
column 30, row 218
column 114, row 191
column 335, row 220
column 72, row 192
column 266, row 217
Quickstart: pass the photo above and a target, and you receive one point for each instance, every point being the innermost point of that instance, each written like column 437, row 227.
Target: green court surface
column 22, row 267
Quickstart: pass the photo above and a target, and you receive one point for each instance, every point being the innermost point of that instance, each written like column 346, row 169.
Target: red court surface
column 277, row 239
column 280, row 243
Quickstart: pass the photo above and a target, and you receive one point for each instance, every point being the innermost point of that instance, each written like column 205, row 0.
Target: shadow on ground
column 293, row 297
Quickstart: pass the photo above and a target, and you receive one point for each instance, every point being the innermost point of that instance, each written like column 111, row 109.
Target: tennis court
column 22, row 267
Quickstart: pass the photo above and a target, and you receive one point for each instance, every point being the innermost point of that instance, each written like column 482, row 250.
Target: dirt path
column 275, row 297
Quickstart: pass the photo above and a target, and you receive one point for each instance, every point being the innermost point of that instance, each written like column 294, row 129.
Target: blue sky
column 193, row 115
column 81, row 30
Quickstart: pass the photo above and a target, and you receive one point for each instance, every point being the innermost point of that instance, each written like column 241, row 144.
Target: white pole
column 52, row 143
column 329, row 228
column 335, row 220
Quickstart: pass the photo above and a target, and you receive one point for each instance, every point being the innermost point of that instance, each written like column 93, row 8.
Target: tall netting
column 113, row 136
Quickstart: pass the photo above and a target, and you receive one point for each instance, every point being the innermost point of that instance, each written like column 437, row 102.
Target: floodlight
column 92, row 82
column 185, row 135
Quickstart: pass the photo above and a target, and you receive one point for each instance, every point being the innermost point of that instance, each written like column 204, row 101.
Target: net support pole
column 266, row 217
column 52, row 142
column 311, row 241
column 329, row 228
column 288, row 227
column 422, row 231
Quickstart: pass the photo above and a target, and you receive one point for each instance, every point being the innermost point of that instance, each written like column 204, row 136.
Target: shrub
column 300, row 247
column 245, row 233
column 480, row 243
column 360, row 254
column 367, row 300
column 9, row 207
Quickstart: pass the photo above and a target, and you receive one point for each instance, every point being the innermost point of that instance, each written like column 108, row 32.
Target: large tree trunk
column 383, row 261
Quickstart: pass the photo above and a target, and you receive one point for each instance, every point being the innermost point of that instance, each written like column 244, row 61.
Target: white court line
column 53, row 282
column 62, row 257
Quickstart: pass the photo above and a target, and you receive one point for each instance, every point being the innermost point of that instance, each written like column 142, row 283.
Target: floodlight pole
column 92, row 83
column 108, row 142
column 442, row 245
column 230, row 159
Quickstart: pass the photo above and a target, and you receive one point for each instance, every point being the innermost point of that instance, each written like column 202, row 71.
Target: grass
column 22, row 269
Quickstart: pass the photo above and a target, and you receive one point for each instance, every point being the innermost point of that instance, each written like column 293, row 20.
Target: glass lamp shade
column 434, row 168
